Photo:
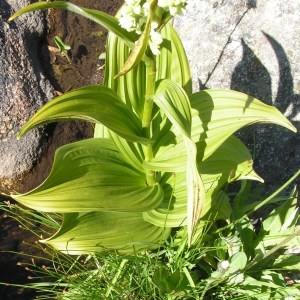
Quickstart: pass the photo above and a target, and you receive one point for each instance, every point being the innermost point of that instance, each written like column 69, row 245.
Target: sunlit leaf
column 218, row 114
column 174, row 103
column 124, row 232
column 237, row 263
column 131, row 152
column 282, row 217
column 172, row 212
column 172, row 62
column 97, row 104
column 281, row 226
column 287, row 262
column 232, row 161
column 109, row 22
column 171, row 158
column 91, row 175
column 129, row 87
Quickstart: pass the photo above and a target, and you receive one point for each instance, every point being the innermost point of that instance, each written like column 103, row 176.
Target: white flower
column 146, row 7
column 155, row 41
column 175, row 7
column 134, row 15
column 154, row 25
column 128, row 22
column 133, row 3
column 223, row 265
column 163, row 3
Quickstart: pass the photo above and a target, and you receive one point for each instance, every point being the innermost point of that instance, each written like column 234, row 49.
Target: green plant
column 155, row 174
column 160, row 155
column 62, row 47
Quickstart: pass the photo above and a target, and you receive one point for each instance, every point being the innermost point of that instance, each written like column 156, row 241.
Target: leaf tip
column 119, row 74
column 20, row 134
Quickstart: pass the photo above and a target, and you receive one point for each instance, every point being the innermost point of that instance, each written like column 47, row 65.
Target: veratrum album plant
column 160, row 155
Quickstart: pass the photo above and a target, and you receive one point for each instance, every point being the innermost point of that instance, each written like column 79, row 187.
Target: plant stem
column 147, row 115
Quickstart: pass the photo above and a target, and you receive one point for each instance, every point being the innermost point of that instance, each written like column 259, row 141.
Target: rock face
column 23, row 90
column 253, row 47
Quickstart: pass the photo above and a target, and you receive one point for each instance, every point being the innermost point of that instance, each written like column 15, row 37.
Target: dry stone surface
column 253, row 47
column 23, row 90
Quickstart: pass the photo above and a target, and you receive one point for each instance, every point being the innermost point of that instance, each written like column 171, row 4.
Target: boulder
column 23, row 90
column 29, row 73
column 253, row 47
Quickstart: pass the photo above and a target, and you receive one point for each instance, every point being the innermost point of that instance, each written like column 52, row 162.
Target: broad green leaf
column 174, row 103
column 218, row 114
column 216, row 206
column 169, row 150
column 131, row 152
column 124, row 232
column 172, row 62
column 237, row 263
column 131, row 86
column 94, row 103
column 91, row 175
column 262, row 289
column 169, row 159
column 172, row 212
column 231, row 162
column 109, row 22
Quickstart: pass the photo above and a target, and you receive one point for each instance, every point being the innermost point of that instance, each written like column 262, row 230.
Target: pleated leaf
column 174, row 103
column 109, row 22
column 124, row 232
column 91, row 175
column 131, row 152
column 218, row 114
column 172, row 63
column 97, row 104
column 172, row 158
column 231, row 162
column 172, row 212
column 131, row 86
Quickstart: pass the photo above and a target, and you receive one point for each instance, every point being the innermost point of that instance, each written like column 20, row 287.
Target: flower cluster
column 134, row 16
column 175, row 7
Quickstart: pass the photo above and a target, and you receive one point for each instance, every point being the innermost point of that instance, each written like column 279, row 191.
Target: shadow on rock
column 275, row 149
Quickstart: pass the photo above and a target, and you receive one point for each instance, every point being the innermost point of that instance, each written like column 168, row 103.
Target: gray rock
column 23, row 90
column 253, row 47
